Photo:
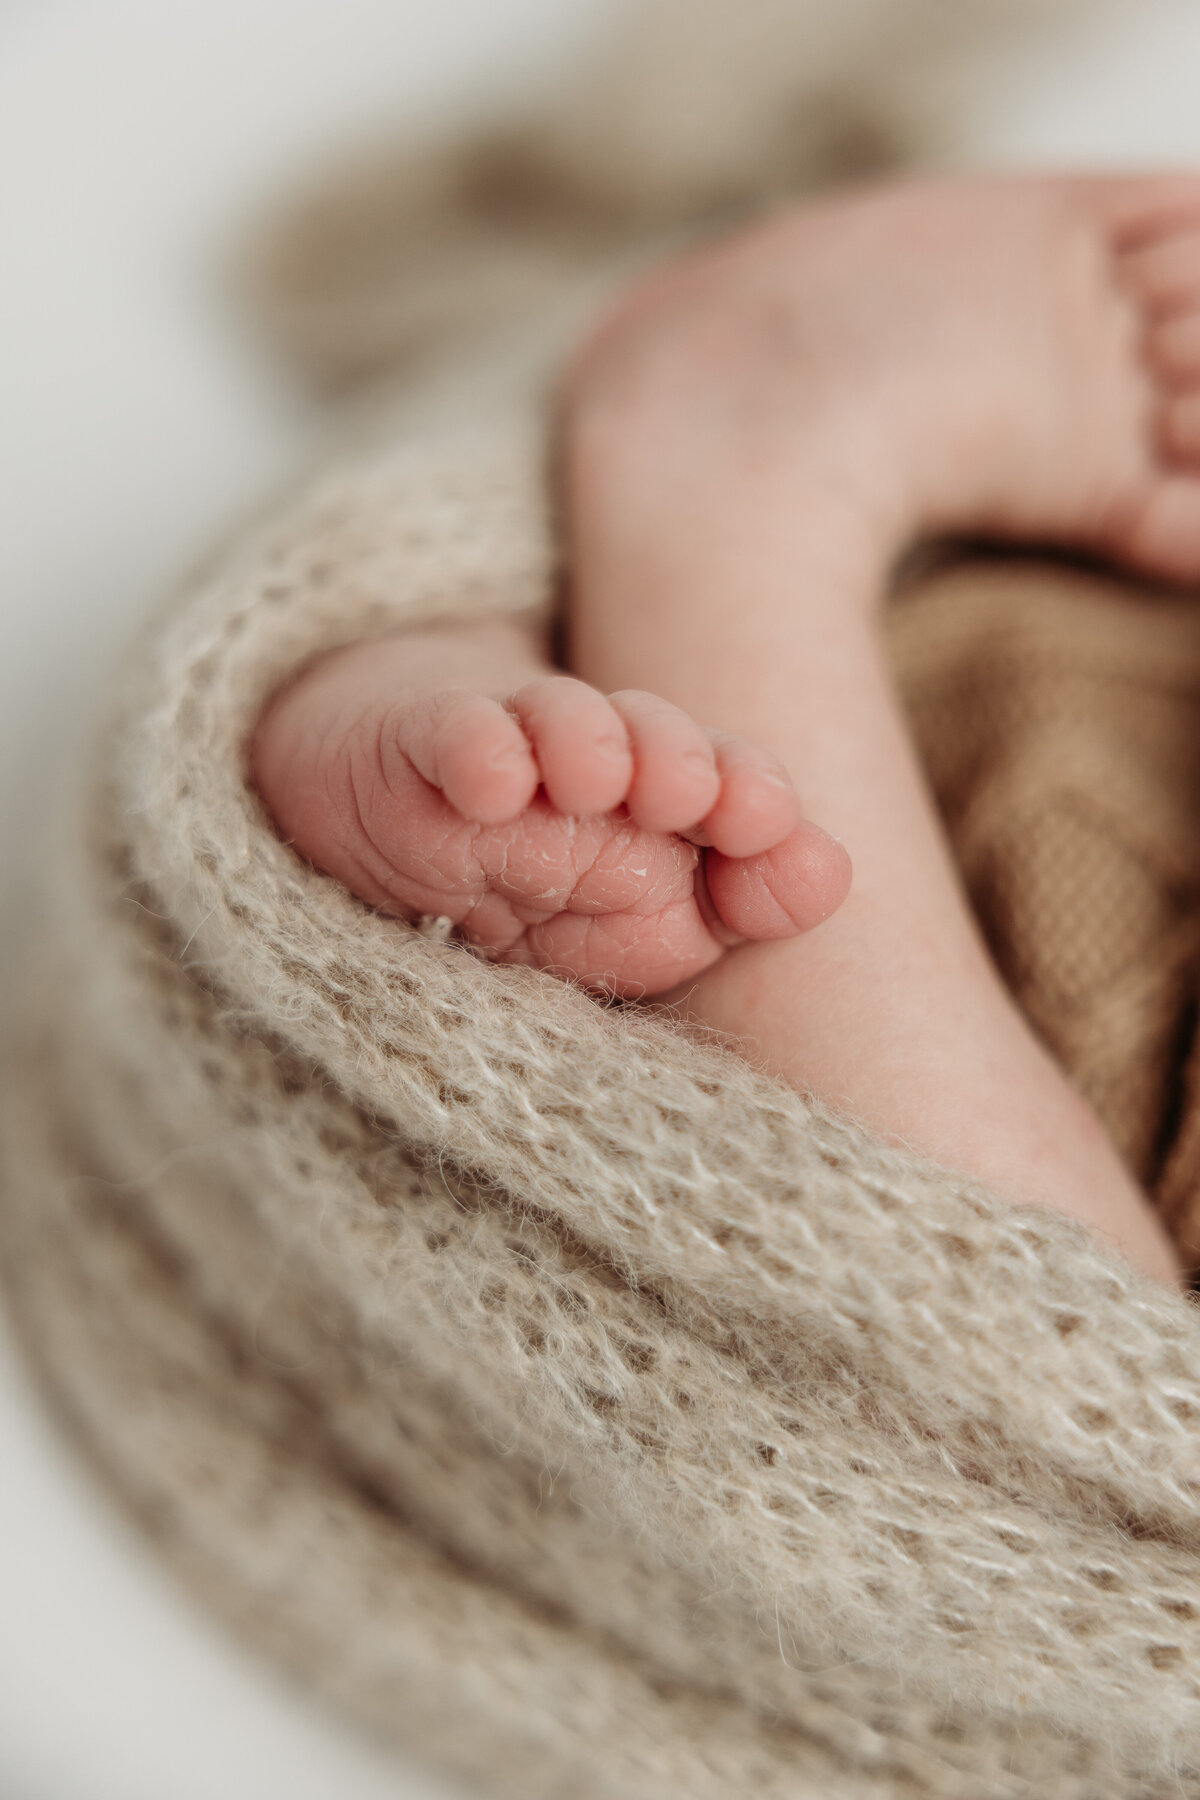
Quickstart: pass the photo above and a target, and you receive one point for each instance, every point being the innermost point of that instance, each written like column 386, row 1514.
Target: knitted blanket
column 537, row 1380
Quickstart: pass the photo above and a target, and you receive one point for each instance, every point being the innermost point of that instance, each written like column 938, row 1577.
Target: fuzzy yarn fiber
column 539, row 1382
column 544, row 1385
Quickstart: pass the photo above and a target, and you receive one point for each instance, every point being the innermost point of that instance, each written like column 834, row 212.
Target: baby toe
column 581, row 744
column 1165, row 271
column 471, row 748
column 675, row 778
column 1164, row 535
column 756, row 806
column 1174, row 346
column 1142, row 209
column 492, row 924
column 1180, row 426
column 790, row 888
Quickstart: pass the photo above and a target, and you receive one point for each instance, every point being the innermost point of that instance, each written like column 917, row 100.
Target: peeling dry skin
column 437, row 800
column 546, row 1387
column 502, row 884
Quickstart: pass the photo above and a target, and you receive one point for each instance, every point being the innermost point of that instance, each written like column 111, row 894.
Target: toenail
column 613, row 746
column 700, row 760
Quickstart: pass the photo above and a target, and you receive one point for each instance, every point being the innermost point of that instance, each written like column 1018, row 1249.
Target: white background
column 135, row 417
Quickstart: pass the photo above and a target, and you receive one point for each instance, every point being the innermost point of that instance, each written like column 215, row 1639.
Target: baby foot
column 747, row 445
column 611, row 841
column 1010, row 356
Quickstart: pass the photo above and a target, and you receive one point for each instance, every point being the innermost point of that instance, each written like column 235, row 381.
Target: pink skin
column 608, row 839
column 749, row 442
column 776, row 419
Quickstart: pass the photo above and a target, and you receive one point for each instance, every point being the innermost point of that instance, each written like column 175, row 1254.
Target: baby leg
column 749, row 445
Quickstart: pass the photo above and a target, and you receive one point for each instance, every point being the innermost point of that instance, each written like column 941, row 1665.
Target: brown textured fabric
column 1056, row 709
column 538, row 1383
column 535, row 1380
column 1058, row 714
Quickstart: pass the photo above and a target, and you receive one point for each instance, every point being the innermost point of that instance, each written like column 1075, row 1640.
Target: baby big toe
column 466, row 745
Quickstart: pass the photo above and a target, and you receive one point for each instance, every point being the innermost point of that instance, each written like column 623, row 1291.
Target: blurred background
column 139, row 413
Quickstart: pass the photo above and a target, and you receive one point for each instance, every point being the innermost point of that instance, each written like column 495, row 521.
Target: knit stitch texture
column 538, row 1381
column 548, row 1387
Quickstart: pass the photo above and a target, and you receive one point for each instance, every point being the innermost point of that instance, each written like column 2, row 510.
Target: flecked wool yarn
column 537, row 1381
column 545, row 1386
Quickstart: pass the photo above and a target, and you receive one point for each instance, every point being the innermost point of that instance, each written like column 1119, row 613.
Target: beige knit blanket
column 542, row 1384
